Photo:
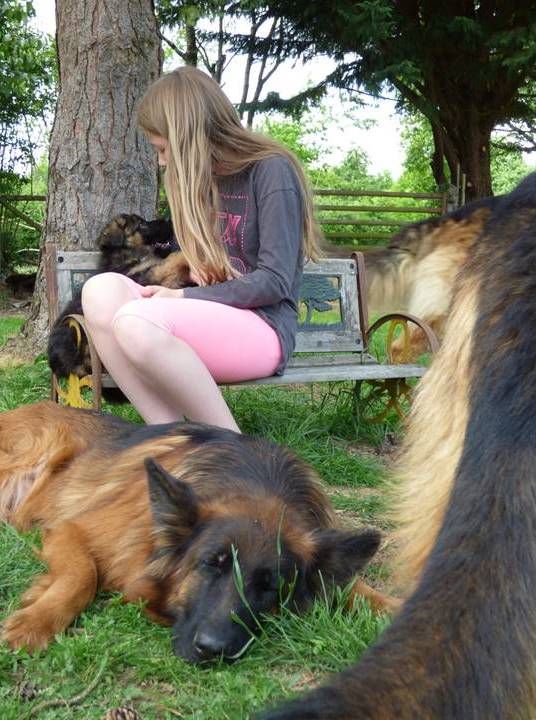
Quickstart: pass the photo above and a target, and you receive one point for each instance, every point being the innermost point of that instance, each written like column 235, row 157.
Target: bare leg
column 160, row 374
column 58, row 597
column 173, row 371
column 102, row 296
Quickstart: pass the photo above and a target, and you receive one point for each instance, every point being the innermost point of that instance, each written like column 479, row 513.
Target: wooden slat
column 77, row 260
column 344, row 358
column 378, row 193
column 387, row 208
column 357, row 221
column 358, row 236
column 330, row 373
column 331, row 266
column 335, row 373
column 23, row 198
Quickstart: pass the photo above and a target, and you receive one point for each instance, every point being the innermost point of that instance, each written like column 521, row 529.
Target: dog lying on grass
column 209, row 527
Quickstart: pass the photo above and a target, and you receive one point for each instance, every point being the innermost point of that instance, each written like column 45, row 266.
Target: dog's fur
column 464, row 645
column 145, row 251
column 171, row 533
column 416, row 272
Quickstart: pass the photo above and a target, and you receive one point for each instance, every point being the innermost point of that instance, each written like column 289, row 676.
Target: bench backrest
column 332, row 307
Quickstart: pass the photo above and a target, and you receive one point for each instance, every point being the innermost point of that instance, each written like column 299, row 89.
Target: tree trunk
column 100, row 164
column 473, row 150
column 191, row 54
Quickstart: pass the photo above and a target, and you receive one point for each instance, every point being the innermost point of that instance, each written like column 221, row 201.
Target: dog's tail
column 464, row 645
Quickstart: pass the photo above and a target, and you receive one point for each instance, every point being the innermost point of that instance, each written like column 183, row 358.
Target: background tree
column 214, row 32
column 506, row 161
column 467, row 66
column 100, row 164
column 27, row 90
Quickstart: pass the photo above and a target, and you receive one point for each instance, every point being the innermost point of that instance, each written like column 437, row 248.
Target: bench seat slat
column 335, row 373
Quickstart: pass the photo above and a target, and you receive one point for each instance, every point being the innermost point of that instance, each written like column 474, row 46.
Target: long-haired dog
column 168, row 514
column 416, row 272
column 145, row 251
column 464, row 644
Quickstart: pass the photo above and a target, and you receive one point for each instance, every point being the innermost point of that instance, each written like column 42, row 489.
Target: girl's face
column 161, row 145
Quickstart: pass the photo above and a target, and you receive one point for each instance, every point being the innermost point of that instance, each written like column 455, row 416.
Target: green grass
column 129, row 657
column 9, row 326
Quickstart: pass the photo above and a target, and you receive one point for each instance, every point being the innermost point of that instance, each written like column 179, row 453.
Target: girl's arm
column 280, row 223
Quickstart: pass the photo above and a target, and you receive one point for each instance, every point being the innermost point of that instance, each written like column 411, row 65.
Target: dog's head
column 130, row 231
column 227, row 562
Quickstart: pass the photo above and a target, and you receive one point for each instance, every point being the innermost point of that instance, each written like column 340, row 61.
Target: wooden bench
column 333, row 341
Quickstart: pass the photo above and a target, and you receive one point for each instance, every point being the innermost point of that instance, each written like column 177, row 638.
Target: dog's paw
column 27, row 629
column 39, row 586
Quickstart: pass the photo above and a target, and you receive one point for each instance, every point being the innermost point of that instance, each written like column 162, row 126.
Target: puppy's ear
column 173, row 503
column 340, row 555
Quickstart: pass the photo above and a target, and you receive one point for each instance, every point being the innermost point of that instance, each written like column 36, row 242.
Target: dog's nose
column 207, row 645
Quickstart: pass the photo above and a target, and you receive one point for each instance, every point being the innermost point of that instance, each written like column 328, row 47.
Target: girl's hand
column 160, row 291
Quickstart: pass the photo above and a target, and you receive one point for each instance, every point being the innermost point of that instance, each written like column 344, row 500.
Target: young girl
column 242, row 214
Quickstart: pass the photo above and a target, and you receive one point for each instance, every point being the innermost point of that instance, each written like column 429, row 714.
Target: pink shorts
column 235, row 344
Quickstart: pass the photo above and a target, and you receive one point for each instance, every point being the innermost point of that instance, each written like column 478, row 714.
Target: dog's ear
column 174, row 504
column 340, row 555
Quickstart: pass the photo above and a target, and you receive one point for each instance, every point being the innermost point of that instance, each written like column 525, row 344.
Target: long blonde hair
column 189, row 110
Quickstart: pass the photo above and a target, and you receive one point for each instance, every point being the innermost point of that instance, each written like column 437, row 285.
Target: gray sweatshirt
column 261, row 217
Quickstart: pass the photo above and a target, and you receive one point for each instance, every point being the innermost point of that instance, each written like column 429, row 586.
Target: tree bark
column 100, row 163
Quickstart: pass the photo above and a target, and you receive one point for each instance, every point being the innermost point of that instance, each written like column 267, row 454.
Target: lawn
column 113, row 656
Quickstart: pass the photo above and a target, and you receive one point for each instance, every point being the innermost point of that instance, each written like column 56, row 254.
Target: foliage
column 466, row 67
column 508, row 168
column 507, row 164
column 292, row 135
column 27, row 68
column 247, row 29
column 16, row 235
column 418, row 144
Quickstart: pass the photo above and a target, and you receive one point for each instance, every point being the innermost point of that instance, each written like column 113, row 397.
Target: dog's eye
column 218, row 561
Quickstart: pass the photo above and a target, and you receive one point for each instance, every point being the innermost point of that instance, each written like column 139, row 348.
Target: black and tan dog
column 145, row 251
column 167, row 514
column 416, row 272
column 464, row 644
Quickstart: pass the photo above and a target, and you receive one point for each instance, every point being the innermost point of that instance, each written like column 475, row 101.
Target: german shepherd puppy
column 145, row 251
column 166, row 514
column 464, row 644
